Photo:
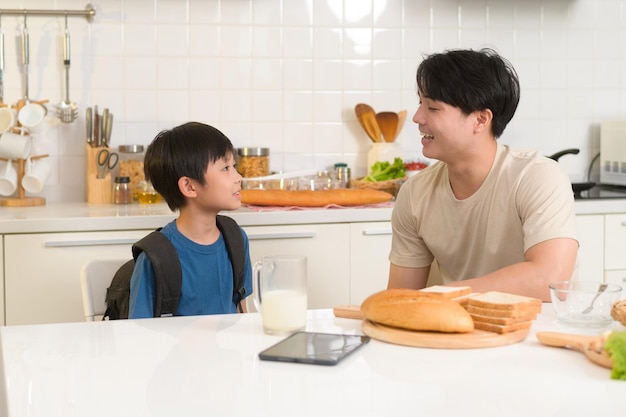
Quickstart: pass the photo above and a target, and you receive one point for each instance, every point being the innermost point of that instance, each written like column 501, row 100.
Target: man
column 493, row 218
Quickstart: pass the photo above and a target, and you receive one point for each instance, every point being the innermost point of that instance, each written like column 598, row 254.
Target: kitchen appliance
column 613, row 152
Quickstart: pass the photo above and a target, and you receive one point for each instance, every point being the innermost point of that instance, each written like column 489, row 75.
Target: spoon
column 401, row 120
column 67, row 111
column 601, row 289
column 388, row 123
column 367, row 117
column 590, row 346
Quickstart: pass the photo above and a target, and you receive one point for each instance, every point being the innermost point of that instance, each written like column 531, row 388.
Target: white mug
column 14, row 146
column 8, row 179
column 35, row 176
column 6, row 119
column 280, row 293
column 32, row 116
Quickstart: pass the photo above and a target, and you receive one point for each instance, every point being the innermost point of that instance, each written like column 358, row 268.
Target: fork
column 601, row 289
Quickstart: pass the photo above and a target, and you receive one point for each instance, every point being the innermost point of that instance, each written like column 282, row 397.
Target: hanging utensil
column 67, row 110
column 388, row 123
column 367, row 117
column 30, row 114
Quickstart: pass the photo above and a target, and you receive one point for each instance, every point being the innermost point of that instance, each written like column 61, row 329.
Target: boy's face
column 445, row 129
column 222, row 187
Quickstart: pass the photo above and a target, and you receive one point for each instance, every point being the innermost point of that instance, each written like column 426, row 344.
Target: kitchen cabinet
column 591, row 247
column 42, row 272
column 370, row 244
column 326, row 248
column 615, row 241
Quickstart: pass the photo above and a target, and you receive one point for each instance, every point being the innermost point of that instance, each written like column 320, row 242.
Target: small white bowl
column 571, row 300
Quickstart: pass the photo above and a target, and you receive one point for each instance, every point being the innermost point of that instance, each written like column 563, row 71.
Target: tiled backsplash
column 286, row 74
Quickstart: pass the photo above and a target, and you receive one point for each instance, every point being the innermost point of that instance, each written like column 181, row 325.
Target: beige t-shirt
column 525, row 199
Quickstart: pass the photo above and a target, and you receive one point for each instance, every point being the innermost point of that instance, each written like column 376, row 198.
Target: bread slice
column 504, row 301
column 492, row 312
column 448, row 292
column 502, row 328
column 416, row 310
column 502, row 320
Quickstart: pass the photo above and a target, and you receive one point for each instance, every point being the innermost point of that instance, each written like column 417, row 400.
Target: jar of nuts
column 131, row 165
column 253, row 162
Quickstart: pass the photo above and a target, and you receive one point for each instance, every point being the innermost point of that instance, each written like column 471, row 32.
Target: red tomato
column 414, row 166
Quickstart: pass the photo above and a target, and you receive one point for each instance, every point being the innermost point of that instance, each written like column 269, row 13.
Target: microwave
column 613, row 152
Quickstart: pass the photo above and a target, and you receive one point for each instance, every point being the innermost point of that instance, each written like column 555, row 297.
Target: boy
column 193, row 167
column 494, row 218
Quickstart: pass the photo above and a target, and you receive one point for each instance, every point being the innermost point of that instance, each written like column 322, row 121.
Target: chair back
column 95, row 278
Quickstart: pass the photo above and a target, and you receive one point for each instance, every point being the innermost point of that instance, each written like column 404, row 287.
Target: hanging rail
column 88, row 13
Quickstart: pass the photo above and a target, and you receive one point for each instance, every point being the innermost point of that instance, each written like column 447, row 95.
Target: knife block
column 98, row 190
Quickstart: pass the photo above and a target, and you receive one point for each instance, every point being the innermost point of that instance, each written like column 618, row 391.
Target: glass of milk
column 280, row 294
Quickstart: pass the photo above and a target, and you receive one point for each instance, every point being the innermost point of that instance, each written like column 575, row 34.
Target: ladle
column 401, row 121
column 388, row 123
column 591, row 346
column 67, row 111
column 367, row 117
column 1, row 62
column 27, row 107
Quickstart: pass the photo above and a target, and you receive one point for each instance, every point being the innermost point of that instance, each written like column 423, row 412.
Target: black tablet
column 314, row 348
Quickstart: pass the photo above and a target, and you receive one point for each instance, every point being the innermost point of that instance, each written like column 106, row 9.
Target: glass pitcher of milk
column 280, row 293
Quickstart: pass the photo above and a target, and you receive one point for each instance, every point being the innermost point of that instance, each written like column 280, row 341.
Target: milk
column 283, row 311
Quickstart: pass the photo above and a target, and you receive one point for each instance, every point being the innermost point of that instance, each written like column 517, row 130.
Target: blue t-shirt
column 207, row 280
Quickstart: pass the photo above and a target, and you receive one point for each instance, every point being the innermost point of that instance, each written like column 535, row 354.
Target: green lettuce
column 616, row 346
column 383, row 171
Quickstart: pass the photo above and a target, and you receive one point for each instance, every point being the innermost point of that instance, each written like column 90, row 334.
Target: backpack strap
column 167, row 271
column 236, row 252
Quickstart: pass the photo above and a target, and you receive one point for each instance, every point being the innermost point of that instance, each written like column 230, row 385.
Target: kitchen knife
column 89, row 126
column 104, row 126
column 96, row 127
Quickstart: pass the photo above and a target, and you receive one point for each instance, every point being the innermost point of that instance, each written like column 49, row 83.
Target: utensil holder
column 99, row 190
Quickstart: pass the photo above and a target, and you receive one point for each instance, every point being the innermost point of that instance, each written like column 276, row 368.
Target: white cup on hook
column 32, row 117
column 7, row 119
column 15, row 146
column 8, row 179
column 35, row 175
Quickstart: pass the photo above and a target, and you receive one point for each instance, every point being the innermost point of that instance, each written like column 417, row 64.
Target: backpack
column 168, row 272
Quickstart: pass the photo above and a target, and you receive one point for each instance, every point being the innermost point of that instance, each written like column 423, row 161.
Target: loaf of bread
column 502, row 320
column 416, row 310
column 492, row 312
column 321, row 198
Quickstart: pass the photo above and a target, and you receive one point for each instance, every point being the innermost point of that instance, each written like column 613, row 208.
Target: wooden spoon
column 388, row 122
column 401, row 121
column 367, row 117
column 591, row 346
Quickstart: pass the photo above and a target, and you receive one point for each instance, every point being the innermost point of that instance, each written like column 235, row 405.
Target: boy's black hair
column 184, row 151
column 472, row 80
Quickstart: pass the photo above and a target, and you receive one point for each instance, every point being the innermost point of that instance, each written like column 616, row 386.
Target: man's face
column 445, row 129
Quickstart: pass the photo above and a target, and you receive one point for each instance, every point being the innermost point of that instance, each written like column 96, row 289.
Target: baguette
column 415, row 310
column 321, row 198
column 492, row 312
column 502, row 328
column 504, row 301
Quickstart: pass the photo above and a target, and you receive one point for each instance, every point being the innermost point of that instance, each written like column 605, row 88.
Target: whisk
column 67, row 111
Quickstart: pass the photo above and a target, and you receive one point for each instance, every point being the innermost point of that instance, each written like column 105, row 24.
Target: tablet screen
column 314, row 348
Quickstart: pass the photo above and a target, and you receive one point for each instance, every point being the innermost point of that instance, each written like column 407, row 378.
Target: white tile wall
column 287, row 73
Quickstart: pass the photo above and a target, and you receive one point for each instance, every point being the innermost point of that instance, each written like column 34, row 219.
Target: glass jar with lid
column 131, row 165
column 253, row 162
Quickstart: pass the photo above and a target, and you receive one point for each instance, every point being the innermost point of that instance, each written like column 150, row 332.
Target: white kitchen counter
column 208, row 366
column 78, row 217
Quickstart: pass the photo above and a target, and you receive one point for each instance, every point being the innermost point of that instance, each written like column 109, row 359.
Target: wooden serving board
column 473, row 340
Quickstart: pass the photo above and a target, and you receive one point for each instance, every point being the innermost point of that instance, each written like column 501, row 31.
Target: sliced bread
column 504, row 301
column 502, row 328
column 492, row 312
column 502, row 320
column 447, row 292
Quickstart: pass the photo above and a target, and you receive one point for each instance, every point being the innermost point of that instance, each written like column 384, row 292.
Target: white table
column 208, row 366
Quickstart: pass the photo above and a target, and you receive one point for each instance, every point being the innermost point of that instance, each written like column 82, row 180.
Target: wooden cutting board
column 473, row 340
